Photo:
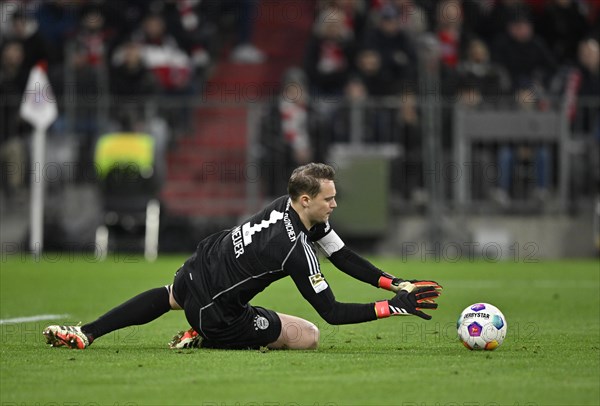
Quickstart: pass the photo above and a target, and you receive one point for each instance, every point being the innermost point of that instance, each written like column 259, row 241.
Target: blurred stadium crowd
column 132, row 51
column 517, row 54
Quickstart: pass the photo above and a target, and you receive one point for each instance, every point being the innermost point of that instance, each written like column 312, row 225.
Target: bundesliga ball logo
column 481, row 326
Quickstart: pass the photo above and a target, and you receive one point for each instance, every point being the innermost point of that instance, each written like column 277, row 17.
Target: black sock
column 141, row 309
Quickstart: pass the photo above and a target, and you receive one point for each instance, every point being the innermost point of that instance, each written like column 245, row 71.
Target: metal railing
column 439, row 151
column 378, row 126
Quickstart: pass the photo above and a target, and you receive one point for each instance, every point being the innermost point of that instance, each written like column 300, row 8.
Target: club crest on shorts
column 261, row 323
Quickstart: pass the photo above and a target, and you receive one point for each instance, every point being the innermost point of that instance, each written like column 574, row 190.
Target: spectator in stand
column 582, row 81
column 340, row 127
column 587, row 118
column 384, row 123
column 524, row 55
column 412, row 18
column 563, row 25
column 394, row 45
column 171, row 66
column 162, row 55
column 92, row 40
column 381, row 120
column 124, row 17
column 88, row 60
column 530, row 65
column 593, row 16
column 87, row 67
column 474, row 17
column 13, row 150
column 288, row 132
column 371, row 72
column 329, row 55
column 7, row 10
column 411, row 183
column 355, row 91
column 25, row 30
column 450, row 33
column 468, row 15
column 480, row 80
column 294, row 111
column 131, row 83
column 189, row 23
column 451, row 44
column 481, row 83
column 245, row 13
column 134, row 89
column 355, row 14
column 589, row 68
column 516, row 161
column 502, row 12
column 13, row 76
column 57, row 21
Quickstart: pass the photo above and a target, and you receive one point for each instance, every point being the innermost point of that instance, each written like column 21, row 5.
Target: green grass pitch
column 551, row 355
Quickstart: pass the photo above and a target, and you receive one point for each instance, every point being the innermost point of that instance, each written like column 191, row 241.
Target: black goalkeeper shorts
column 249, row 327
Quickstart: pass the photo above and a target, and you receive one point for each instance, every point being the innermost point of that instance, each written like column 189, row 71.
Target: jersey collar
column 295, row 217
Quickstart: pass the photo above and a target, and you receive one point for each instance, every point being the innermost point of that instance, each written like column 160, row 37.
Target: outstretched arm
column 404, row 303
column 302, row 265
column 356, row 266
column 349, row 262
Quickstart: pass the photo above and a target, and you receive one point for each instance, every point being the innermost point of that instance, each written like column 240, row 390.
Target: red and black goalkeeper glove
column 407, row 303
column 391, row 283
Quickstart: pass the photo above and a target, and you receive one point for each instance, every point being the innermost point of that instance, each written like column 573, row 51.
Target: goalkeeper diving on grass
column 215, row 285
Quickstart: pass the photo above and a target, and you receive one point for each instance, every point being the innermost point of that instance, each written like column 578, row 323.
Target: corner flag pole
column 36, row 210
column 38, row 107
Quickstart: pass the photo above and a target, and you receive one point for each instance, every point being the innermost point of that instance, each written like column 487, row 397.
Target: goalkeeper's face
column 321, row 206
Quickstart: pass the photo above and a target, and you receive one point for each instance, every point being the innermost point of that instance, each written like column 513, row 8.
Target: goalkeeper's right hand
column 407, row 303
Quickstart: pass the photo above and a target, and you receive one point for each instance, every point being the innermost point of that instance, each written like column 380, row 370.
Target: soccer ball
column 481, row 326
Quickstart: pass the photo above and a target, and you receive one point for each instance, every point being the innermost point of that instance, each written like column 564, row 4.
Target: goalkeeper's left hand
column 395, row 285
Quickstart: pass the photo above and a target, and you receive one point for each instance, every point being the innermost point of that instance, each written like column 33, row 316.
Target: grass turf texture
column 550, row 356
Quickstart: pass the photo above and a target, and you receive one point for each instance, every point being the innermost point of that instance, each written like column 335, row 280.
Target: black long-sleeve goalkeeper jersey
column 231, row 267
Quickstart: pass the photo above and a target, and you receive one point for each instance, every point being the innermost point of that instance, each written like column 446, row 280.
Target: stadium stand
column 176, row 68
